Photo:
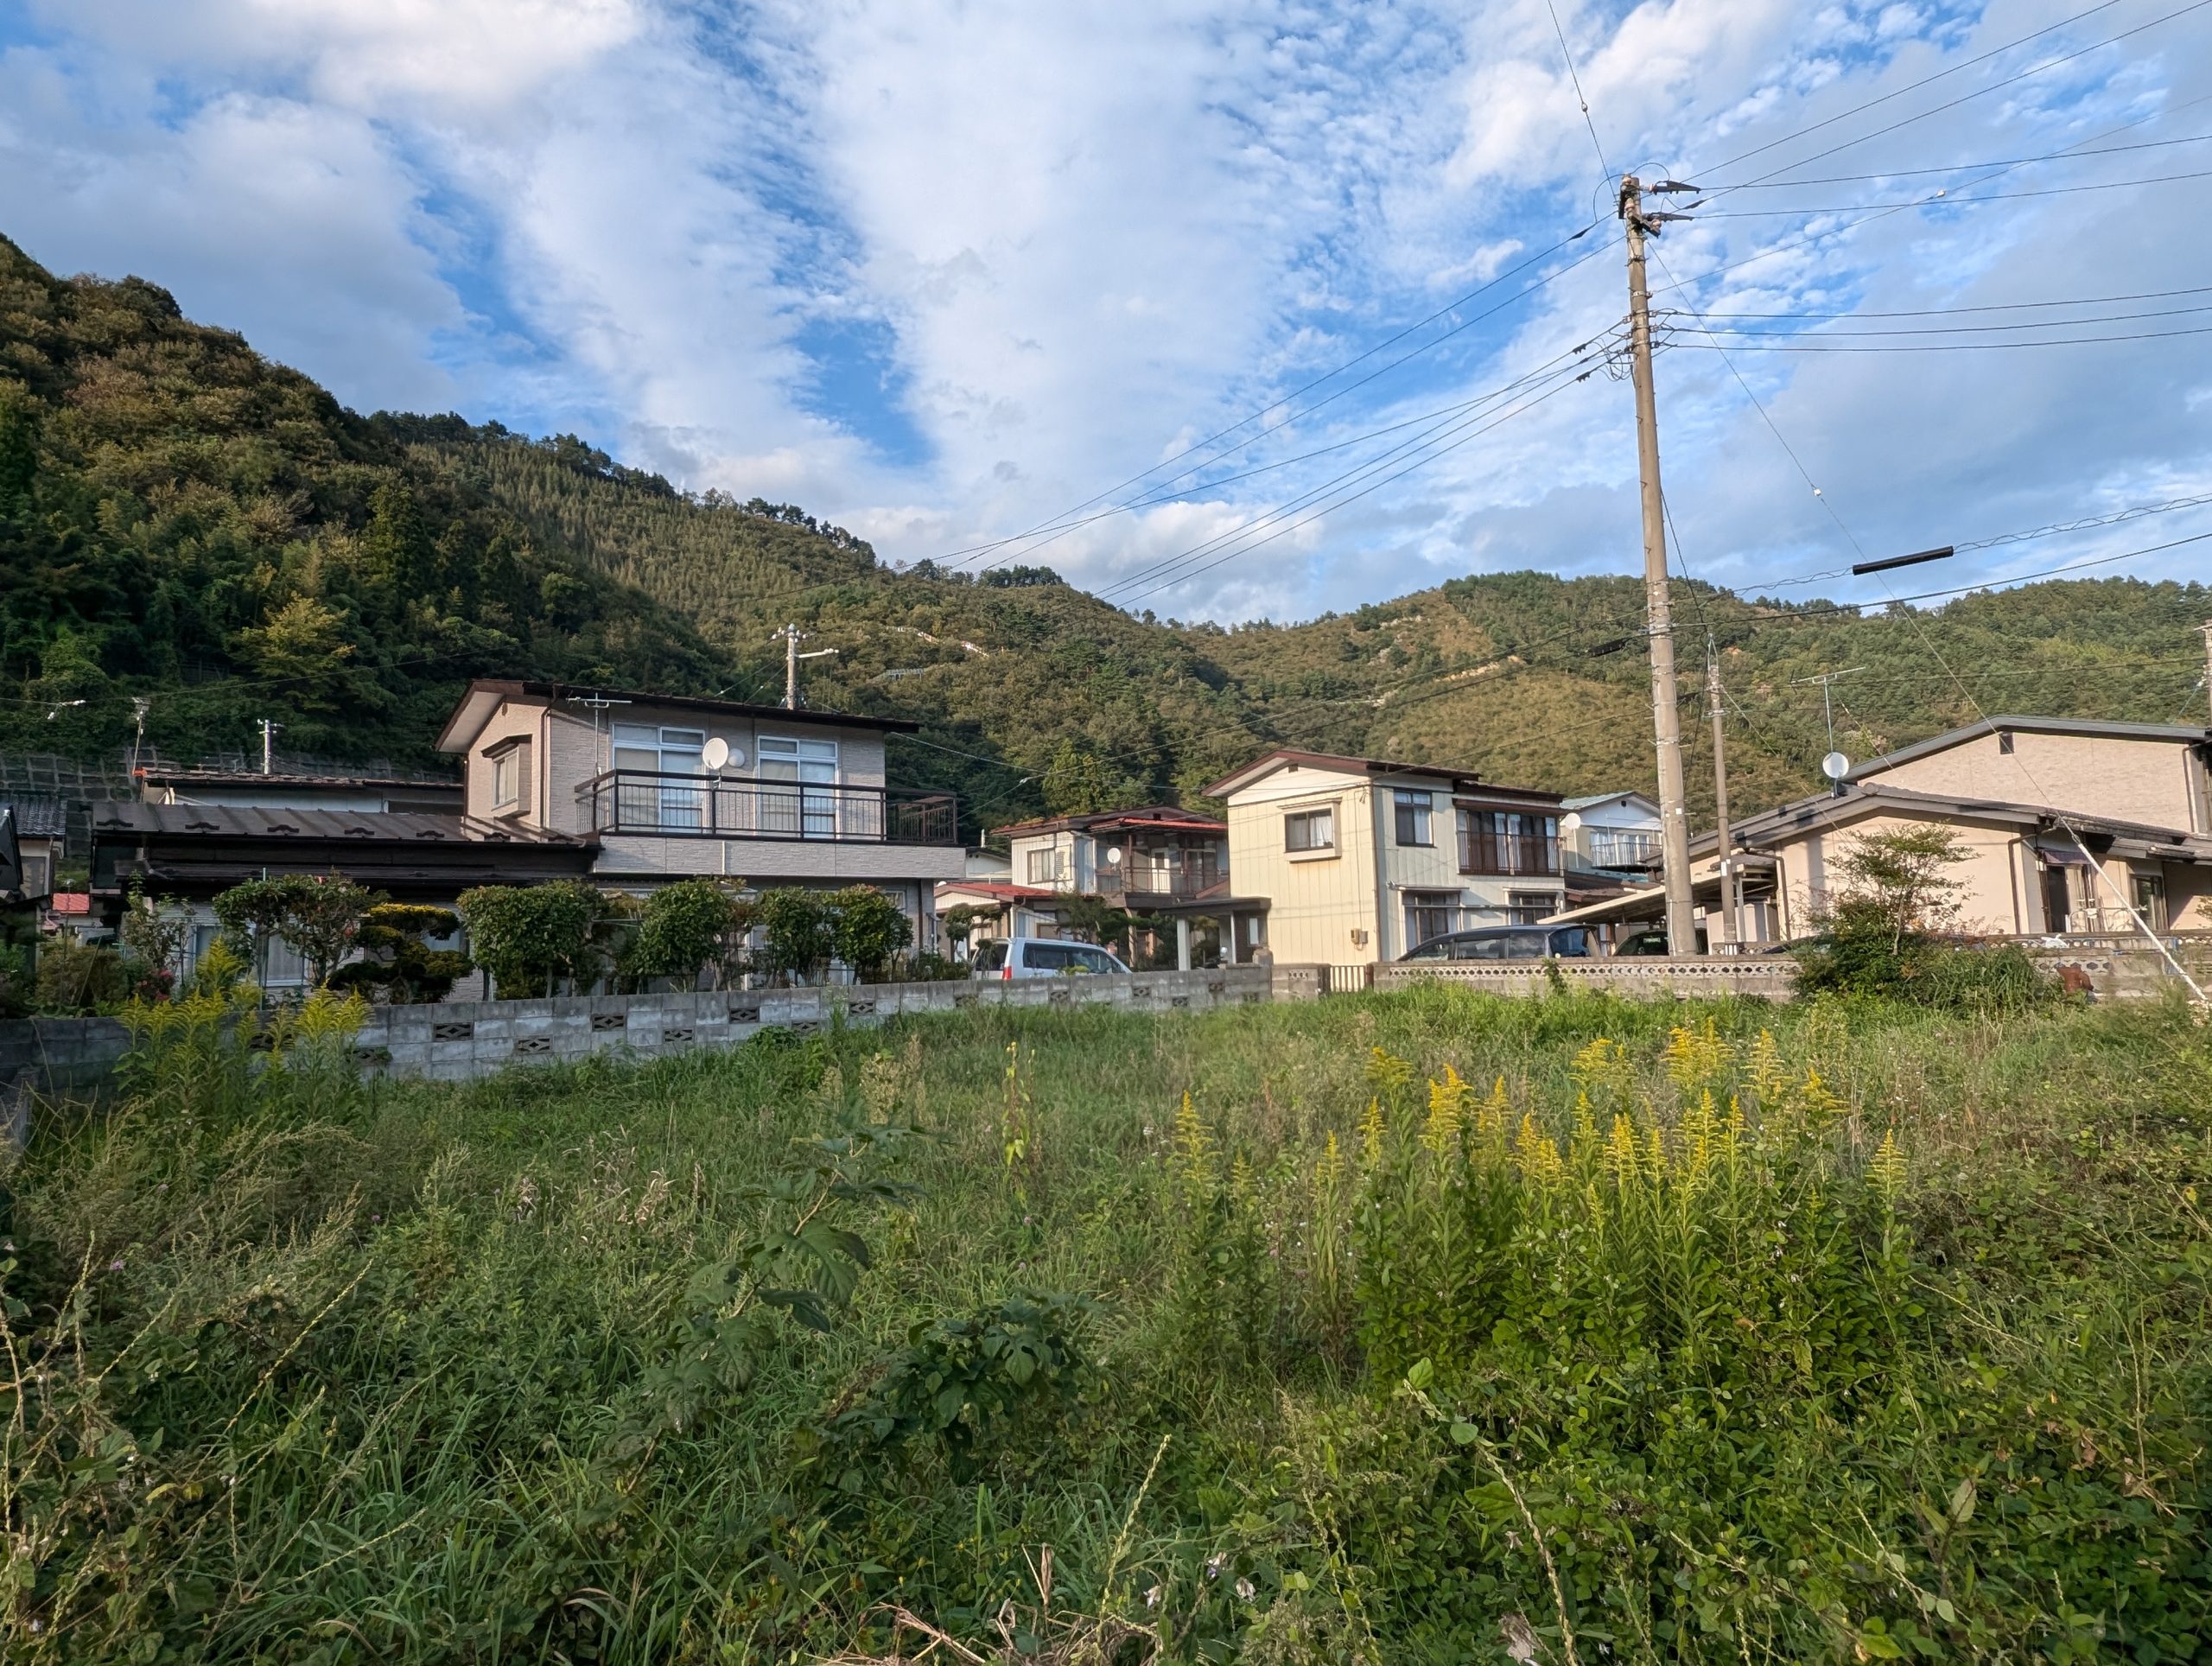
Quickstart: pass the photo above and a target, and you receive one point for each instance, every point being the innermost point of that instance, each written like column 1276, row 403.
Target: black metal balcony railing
column 674, row 806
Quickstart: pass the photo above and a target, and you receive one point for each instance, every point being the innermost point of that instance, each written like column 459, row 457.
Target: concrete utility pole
column 792, row 636
column 1666, row 719
column 1728, row 927
column 2207, row 629
column 268, row 732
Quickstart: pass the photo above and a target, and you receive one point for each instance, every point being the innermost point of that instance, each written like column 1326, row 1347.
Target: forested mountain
column 183, row 521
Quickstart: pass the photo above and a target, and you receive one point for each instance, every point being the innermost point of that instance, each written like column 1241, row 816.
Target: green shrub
column 866, row 929
column 75, row 977
column 795, row 932
column 396, row 957
column 529, row 937
column 689, row 926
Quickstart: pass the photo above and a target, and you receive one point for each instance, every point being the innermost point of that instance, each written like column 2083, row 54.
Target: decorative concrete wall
column 1774, row 976
column 460, row 1041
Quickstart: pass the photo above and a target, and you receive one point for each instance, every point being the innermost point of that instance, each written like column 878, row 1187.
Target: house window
column 1612, row 847
column 651, row 788
column 1044, row 865
column 812, row 815
column 1430, row 914
column 35, row 883
column 1526, row 907
column 2151, row 900
column 1310, row 830
column 510, row 779
column 1508, row 841
column 1412, row 811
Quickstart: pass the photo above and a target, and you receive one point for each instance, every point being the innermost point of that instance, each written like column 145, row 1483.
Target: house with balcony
column 1359, row 859
column 666, row 787
column 1162, row 861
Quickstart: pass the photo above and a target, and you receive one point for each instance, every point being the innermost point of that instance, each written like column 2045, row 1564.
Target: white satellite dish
column 1835, row 767
column 1114, row 856
column 715, row 754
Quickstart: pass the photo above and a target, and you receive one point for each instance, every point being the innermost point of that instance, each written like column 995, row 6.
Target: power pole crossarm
column 1666, row 719
column 792, row 636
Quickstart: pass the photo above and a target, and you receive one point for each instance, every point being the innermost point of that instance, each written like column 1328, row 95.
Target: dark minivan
column 1508, row 943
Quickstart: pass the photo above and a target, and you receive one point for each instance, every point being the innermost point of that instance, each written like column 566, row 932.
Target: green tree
column 529, row 936
column 303, row 646
column 866, row 929
column 396, row 957
column 318, row 914
column 795, row 929
column 153, row 933
column 688, row 925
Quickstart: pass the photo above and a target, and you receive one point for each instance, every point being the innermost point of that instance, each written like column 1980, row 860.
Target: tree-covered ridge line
column 184, row 522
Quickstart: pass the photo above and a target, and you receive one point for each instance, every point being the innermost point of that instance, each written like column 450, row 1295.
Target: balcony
column 1182, row 877
column 661, row 804
column 1507, row 856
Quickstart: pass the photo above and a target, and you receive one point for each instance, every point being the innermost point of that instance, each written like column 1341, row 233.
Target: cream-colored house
column 2152, row 773
column 1359, row 859
column 668, row 787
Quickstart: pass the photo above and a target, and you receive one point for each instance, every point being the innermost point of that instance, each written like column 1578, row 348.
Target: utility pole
column 1729, row 926
column 269, row 732
column 1666, row 718
column 2207, row 629
column 139, row 706
column 793, row 637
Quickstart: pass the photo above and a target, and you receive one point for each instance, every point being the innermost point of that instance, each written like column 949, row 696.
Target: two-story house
column 1359, row 859
column 1160, row 862
column 670, row 787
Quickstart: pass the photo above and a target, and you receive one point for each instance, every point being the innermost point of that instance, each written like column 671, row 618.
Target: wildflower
column 1213, row 1567
column 1245, row 1590
column 115, row 1266
column 1151, row 1597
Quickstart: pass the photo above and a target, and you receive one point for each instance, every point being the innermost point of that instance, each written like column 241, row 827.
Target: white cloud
column 1076, row 240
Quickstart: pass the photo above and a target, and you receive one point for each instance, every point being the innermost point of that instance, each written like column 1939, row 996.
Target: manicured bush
column 689, row 926
column 396, row 958
column 795, row 932
column 318, row 914
column 530, row 937
column 866, row 929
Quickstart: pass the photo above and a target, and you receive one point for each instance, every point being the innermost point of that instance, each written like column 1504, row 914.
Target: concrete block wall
column 1773, row 976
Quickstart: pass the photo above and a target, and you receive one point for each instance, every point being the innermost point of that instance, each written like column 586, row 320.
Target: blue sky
column 944, row 272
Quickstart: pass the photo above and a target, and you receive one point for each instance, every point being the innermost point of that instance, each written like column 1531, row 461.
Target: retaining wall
column 1774, row 976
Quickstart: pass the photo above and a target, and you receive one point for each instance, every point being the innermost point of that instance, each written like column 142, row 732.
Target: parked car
column 1040, row 957
column 1651, row 941
column 1508, row 943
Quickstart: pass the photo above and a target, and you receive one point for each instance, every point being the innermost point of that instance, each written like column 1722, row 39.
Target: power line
column 1390, row 341
column 1968, row 98
column 1945, row 329
column 1968, row 167
column 1950, row 346
column 1558, row 366
column 1992, row 305
column 1945, row 200
column 1925, row 80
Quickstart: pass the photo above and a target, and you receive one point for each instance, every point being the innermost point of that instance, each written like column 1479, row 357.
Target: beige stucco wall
column 2159, row 782
column 1994, row 898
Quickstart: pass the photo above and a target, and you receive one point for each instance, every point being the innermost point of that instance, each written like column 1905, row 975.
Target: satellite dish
column 1835, row 767
column 715, row 754
column 1113, row 856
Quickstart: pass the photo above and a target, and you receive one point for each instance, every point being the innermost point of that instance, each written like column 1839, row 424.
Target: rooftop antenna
column 792, row 636
column 598, row 702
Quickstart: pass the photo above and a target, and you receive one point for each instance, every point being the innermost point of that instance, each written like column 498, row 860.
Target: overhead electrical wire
column 1947, row 200
column 1968, row 167
column 1939, row 347
column 1991, row 306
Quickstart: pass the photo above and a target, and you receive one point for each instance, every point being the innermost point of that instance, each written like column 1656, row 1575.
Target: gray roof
column 1586, row 801
column 2178, row 733
column 123, row 818
column 1825, row 809
column 38, row 818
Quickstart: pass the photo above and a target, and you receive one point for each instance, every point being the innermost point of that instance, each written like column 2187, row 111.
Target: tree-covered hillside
column 183, row 521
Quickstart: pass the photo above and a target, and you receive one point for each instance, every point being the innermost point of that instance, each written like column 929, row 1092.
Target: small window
column 1044, row 867
column 2005, row 741
column 1526, row 907
column 1310, row 830
column 511, row 779
column 1430, row 914
column 1412, row 811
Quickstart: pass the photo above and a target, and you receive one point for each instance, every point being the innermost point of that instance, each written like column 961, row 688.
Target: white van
column 1039, row 957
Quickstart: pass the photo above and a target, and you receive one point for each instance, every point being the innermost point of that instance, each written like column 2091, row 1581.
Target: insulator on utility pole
column 793, row 637
column 1666, row 718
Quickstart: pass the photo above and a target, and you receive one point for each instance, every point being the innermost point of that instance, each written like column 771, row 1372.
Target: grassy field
column 1425, row 1327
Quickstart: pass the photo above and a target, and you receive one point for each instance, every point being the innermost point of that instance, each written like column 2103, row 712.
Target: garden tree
column 529, row 936
column 1095, row 920
column 1896, row 884
column 794, row 931
column 318, row 914
column 153, row 933
column 396, row 957
column 867, row 928
column 688, row 925
column 959, row 923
